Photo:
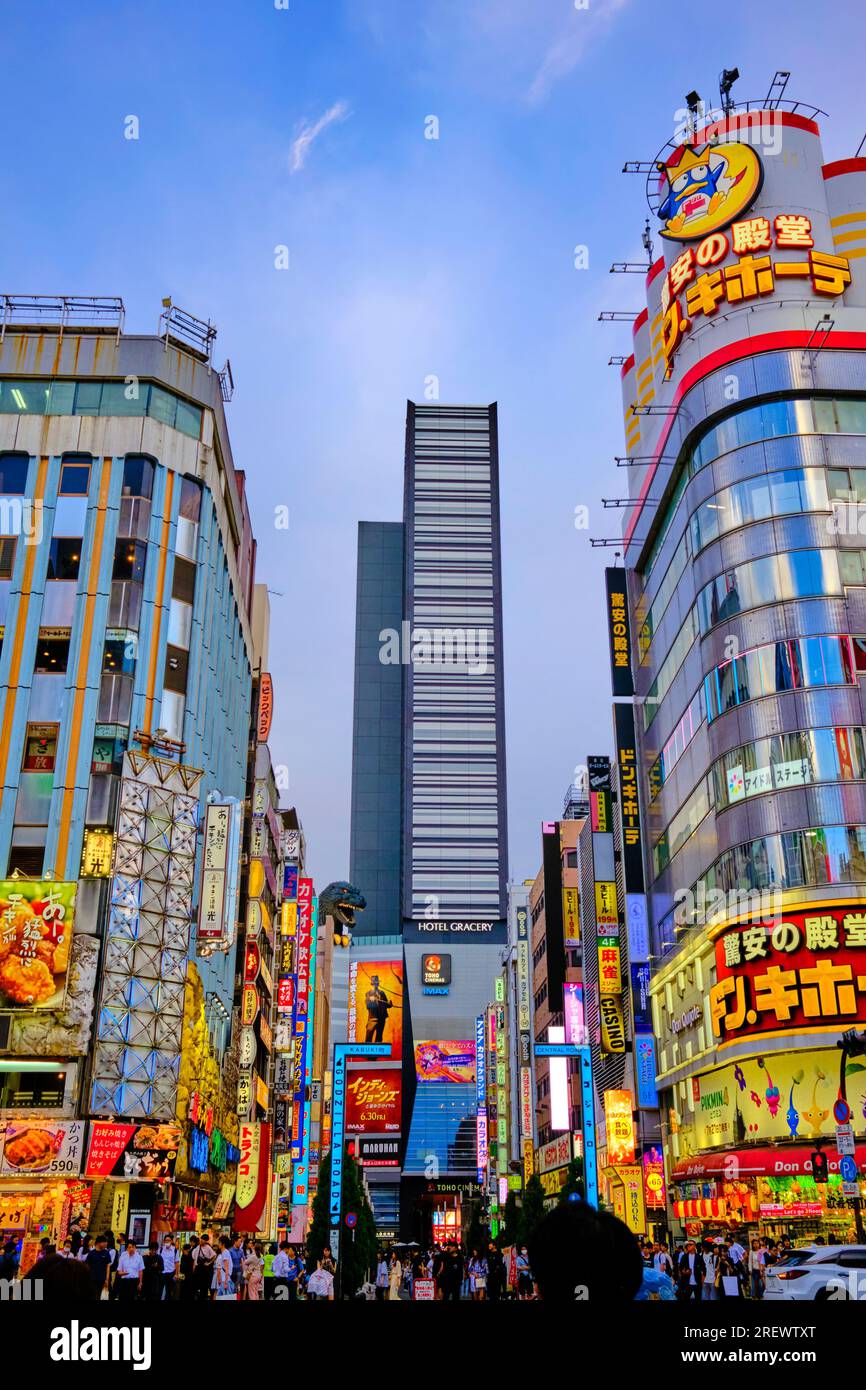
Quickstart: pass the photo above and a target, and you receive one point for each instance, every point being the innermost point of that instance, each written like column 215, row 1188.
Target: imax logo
column 20, row 1290
column 76, row 1343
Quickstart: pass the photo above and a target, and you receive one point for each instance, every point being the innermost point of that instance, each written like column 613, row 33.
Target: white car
column 820, row 1273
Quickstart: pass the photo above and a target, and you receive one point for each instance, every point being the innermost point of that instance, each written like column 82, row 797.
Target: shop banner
column 49, row 1147
column 373, row 1101
column 36, row 921
column 445, row 1061
column 376, row 1003
column 145, row 1152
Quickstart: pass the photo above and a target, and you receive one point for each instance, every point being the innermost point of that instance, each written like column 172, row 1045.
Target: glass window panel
column 88, row 395
column 13, row 475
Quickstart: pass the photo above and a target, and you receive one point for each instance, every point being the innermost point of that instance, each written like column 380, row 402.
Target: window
column 183, row 582
column 780, row 666
column 137, row 477
column 796, row 574
column 129, row 560
column 119, row 654
column 64, row 558
column 176, row 664
column 52, row 655
column 28, row 860
column 13, row 474
column 190, row 499
column 29, row 1090
column 7, row 556
column 74, row 479
column 40, row 747
column 791, row 490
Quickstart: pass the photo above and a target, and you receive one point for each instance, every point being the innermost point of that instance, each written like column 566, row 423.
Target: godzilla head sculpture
column 341, row 901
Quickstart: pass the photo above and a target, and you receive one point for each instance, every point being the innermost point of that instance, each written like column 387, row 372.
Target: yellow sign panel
column 289, row 919
column 609, row 968
column 606, row 910
column 570, row 915
column 612, row 1023
column 96, row 854
column 528, row 1160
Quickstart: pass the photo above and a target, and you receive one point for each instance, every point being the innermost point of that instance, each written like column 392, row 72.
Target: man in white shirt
column 130, row 1269
column 169, row 1266
column 662, row 1262
column 280, row 1270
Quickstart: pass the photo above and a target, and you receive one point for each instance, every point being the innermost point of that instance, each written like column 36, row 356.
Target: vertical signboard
column 629, row 805
column 622, row 680
column 554, row 928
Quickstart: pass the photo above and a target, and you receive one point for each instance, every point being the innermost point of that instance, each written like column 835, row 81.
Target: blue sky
column 408, row 257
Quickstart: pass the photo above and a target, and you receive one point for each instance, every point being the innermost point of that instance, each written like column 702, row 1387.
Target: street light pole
column 343, row 1051
column 853, row 1044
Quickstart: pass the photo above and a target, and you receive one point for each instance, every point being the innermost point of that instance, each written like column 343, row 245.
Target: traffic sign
column 841, row 1112
column 850, row 1189
column 351, row 1219
column 845, row 1139
column 848, row 1169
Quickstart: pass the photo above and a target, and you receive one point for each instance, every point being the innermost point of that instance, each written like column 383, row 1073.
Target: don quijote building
column 745, row 557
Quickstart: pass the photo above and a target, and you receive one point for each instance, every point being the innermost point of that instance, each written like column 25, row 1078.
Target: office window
column 64, row 558
column 74, row 479
column 137, row 477
column 176, row 666
column 129, row 560
column 13, row 474
column 183, row 581
column 28, row 860
column 52, row 655
column 7, row 555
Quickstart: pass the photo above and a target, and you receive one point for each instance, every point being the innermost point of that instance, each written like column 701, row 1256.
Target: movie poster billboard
column 36, row 921
column 376, row 1003
column 145, row 1152
column 49, row 1147
column 373, row 1101
column 445, row 1061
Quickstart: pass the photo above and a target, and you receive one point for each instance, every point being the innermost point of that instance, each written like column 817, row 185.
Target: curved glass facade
column 789, row 760
column 786, row 492
column 770, row 579
column 811, row 858
column 32, row 397
column 779, row 666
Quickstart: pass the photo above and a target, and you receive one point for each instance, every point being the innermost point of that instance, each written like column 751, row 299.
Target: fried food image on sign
column 30, row 1151
column 26, row 981
column 14, row 919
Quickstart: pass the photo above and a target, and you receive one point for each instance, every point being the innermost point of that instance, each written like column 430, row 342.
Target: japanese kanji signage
column 804, row 971
column 697, row 285
column 629, row 807
column 618, row 632
column 211, row 913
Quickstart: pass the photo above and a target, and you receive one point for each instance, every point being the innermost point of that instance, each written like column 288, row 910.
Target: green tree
column 510, row 1220
column 574, row 1183
column 357, row 1251
column 532, row 1212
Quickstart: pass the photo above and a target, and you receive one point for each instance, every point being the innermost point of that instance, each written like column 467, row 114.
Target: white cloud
column 307, row 133
column 567, row 52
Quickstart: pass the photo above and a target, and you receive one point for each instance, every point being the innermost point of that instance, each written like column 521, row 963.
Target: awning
column 784, row 1161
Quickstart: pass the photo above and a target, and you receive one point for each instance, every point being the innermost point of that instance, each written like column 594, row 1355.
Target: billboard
column 575, row 1021
column 622, row 681
column 436, row 969
column 373, row 1101
column 51, row 1148
column 445, row 1061
column 619, row 1126
column 805, row 972
column 36, row 921
column 376, row 1003
column 145, row 1153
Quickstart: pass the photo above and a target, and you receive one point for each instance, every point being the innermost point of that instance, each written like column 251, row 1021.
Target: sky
column 301, row 125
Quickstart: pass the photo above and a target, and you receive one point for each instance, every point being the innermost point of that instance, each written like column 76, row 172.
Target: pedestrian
column 756, row 1269
column 268, row 1271
column 169, row 1267
column 524, row 1275
column 9, row 1261
column 98, row 1262
column 205, row 1259
column 691, row 1273
column 237, row 1251
column 727, row 1278
column 320, row 1285
column 381, row 1277
column 223, row 1282
column 495, row 1272
column 478, row 1268
column 65, row 1250
column 151, row 1281
column 253, row 1273
column 395, row 1278
column 187, row 1271
column 709, row 1292
column 661, row 1260
column 130, row 1271
column 578, row 1252
column 280, row 1272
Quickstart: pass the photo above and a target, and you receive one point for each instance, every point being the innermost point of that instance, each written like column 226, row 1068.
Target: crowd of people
column 479, row 1274
column 229, row 1267
column 713, row 1268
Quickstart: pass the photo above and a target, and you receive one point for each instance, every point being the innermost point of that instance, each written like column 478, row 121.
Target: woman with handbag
column 478, row 1269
